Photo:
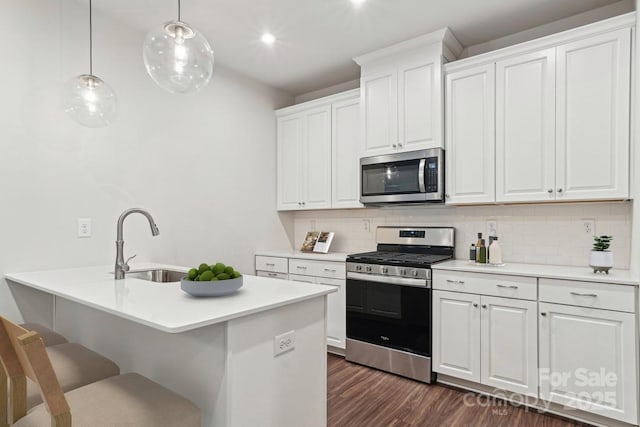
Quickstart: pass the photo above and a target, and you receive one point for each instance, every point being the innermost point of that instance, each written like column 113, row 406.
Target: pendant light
column 177, row 57
column 87, row 98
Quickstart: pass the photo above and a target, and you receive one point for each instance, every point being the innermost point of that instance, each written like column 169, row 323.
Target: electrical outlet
column 312, row 225
column 366, row 223
column 589, row 226
column 492, row 228
column 284, row 342
column 84, row 227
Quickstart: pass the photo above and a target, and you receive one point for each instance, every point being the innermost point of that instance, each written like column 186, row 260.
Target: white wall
column 203, row 165
column 551, row 234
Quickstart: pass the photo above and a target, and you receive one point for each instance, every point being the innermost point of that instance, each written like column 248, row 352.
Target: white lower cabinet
column 488, row 340
column 508, row 344
column 331, row 273
column 588, row 360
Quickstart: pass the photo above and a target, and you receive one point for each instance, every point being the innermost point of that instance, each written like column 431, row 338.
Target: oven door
column 390, row 312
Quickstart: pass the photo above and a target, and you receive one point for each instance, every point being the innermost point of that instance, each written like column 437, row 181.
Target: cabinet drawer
column 332, row 270
column 271, row 263
column 301, row 278
column 499, row 285
column 588, row 294
column 284, row 276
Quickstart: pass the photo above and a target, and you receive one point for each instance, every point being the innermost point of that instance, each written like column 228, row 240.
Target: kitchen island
column 225, row 354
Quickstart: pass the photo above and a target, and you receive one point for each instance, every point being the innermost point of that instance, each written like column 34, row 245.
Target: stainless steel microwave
column 410, row 177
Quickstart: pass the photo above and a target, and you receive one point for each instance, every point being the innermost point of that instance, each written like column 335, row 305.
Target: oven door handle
column 390, row 280
column 423, row 163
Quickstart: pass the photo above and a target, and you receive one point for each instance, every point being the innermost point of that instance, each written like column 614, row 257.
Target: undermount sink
column 157, row 275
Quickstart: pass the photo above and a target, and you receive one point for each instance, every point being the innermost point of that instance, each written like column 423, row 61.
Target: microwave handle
column 421, row 175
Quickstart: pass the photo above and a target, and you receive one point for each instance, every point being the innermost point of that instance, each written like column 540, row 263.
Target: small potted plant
column 600, row 257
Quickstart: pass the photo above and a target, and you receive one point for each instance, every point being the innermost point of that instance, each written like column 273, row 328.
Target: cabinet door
column 509, row 350
column 316, row 172
column 336, row 313
column 420, row 104
column 346, row 154
column 379, row 97
column 593, row 117
column 525, row 125
column 588, row 360
column 470, row 138
column 289, row 169
column 456, row 335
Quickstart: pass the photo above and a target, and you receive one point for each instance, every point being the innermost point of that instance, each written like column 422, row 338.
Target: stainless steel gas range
column 389, row 299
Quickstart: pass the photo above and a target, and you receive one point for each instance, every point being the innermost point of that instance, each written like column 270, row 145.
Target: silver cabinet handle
column 272, row 274
column 507, row 287
column 456, row 282
column 269, row 264
column 328, row 270
column 399, row 144
column 475, row 304
column 559, row 190
column 394, row 146
column 301, row 267
column 543, row 314
column 484, row 305
column 583, row 295
column 447, row 196
column 304, row 203
column 550, row 190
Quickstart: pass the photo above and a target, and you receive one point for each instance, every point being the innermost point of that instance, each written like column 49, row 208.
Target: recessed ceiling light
column 357, row 3
column 268, row 38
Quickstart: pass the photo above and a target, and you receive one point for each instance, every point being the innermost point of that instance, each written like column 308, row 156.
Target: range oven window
column 389, row 315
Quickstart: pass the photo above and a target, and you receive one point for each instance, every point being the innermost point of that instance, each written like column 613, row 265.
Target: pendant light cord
column 179, row 11
column 90, row 39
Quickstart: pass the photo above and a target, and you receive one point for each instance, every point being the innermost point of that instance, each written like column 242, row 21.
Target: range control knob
column 369, row 268
column 403, row 272
column 385, row 270
column 414, row 273
column 358, row 268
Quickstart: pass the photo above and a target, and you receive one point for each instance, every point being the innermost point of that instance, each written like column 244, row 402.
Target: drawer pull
column 456, row 282
column 329, row 270
column 583, row 295
column 270, row 264
column 507, row 287
column 301, row 267
column 272, row 274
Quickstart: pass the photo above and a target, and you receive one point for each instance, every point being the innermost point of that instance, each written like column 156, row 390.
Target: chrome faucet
column 122, row 266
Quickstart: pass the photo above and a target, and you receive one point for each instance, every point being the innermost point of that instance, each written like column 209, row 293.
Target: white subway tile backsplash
column 552, row 234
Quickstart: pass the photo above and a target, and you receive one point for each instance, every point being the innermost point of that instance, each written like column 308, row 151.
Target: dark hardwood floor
column 361, row 396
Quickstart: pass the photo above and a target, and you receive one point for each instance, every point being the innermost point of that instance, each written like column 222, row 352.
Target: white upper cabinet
column 562, row 107
column 345, row 144
column 290, row 154
column 592, row 117
column 402, row 96
column 525, row 137
column 469, row 146
column 318, row 154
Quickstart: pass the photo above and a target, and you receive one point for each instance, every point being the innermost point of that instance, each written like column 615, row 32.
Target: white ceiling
column 318, row 38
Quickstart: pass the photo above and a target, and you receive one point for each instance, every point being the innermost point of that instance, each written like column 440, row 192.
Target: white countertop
column 165, row 306
column 615, row 276
column 288, row 253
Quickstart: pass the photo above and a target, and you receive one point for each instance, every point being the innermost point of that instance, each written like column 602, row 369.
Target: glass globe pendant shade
column 178, row 58
column 90, row 101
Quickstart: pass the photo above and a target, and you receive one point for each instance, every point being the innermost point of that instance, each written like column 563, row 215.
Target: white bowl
column 215, row 288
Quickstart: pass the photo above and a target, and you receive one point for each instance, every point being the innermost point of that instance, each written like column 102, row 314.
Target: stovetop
column 398, row 258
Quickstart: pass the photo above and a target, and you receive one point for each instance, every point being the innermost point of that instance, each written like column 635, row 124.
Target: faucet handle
column 125, row 266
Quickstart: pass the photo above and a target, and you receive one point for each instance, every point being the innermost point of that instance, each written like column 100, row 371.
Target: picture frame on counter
column 310, row 241
column 324, row 242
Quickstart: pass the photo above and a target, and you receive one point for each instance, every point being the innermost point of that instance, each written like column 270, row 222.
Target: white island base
column 228, row 368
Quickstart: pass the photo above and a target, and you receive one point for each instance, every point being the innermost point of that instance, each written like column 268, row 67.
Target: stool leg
column 4, row 414
column 18, row 398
